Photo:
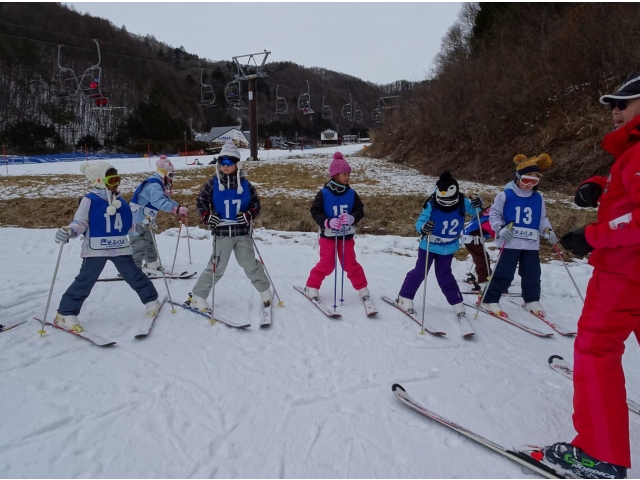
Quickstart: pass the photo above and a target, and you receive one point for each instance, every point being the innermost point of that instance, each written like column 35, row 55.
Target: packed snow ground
column 309, row 397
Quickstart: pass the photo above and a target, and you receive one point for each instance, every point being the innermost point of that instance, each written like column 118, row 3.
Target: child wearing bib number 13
column 522, row 205
column 337, row 209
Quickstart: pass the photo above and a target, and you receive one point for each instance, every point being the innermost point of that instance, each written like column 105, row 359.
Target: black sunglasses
column 621, row 104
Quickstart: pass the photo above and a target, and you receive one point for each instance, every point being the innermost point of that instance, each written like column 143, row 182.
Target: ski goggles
column 171, row 175
column 529, row 180
column 112, row 180
column 227, row 161
column 619, row 103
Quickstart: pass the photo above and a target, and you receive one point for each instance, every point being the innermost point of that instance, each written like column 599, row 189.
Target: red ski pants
column 610, row 314
column 327, row 262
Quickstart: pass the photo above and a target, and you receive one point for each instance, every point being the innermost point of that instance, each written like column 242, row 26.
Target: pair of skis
column 178, row 276
column 143, row 331
column 264, row 322
column 369, row 309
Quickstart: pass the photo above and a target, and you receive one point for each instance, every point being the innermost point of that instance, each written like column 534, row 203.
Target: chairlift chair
column 357, row 115
column 304, row 102
column 91, row 80
column 347, row 110
column 207, row 95
column 376, row 115
column 69, row 85
column 234, row 95
column 326, row 111
column 281, row 103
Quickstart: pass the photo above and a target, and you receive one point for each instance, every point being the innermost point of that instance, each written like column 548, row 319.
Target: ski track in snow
column 309, row 397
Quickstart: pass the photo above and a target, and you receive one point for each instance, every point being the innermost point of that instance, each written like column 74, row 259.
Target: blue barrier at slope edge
column 68, row 157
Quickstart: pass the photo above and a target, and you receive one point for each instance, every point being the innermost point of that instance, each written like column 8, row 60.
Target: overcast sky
column 378, row 42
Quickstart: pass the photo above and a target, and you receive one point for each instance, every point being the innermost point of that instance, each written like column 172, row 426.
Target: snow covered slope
column 309, row 397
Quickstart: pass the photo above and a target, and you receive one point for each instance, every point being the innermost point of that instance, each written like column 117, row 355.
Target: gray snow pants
column 245, row 256
column 142, row 248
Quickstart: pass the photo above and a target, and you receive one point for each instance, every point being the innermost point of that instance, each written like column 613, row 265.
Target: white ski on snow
column 521, row 457
column 480, row 294
column 561, row 331
column 228, row 323
column 179, row 276
column 510, row 321
column 466, row 330
column 149, row 322
column 369, row 309
column 319, row 305
column 95, row 339
column 560, row 365
column 429, row 328
column 265, row 315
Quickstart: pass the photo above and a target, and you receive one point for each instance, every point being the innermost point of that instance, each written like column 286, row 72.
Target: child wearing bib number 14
column 522, row 205
column 337, row 209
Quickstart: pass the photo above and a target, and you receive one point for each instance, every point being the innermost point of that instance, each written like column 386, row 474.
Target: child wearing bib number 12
column 522, row 205
column 442, row 222
column 337, row 209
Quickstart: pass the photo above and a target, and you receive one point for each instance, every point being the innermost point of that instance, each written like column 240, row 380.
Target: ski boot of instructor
column 611, row 311
column 152, row 195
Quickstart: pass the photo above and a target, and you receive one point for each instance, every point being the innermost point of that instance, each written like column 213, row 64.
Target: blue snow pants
column 528, row 263
column 91, row 268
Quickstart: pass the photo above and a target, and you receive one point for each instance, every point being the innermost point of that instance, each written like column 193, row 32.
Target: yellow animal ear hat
column 526, row 165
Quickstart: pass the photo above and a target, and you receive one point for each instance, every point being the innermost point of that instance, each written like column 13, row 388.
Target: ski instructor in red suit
column 611, row 311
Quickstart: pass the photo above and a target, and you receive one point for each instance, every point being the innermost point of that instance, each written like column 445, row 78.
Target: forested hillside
column 156, row 86
column 518, row 78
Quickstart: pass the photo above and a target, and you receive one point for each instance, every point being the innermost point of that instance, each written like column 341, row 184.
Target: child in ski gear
column 519, row 217
column 337, row 209
column 611, row 310
column 101, row 99
column 228, row 204
column 471, row 237
column 104, row 218
column 442, row 221
column 152, row 195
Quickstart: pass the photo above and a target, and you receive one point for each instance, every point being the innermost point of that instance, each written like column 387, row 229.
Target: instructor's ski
column 512, row 454
column 95, row 339
column 6, row 328
column 429, row 328
column 560, row 365
column 318, row 304
column 228, row 323
column 149, row 322
column 533, row 331
column 547, row 321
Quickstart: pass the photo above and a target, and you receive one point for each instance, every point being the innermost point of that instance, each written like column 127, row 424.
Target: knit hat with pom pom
column 526, row 165
column 164, row 165
column 95, row 173
column 338, row 165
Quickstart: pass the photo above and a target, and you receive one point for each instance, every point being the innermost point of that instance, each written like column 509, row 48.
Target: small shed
column 329, row 137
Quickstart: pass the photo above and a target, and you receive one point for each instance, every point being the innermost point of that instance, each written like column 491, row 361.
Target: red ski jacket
column 615, row 236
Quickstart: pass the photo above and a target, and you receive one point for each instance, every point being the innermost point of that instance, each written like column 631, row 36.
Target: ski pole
column 484, row 250
column 486, row 289
column 335, row 272
column 155, row 244
column 55, row 274
column 280, row 302
column 186, row 224
column 555, row 246
column 214, row 264
column 424, row 289
column 342, row 283
column 176, row 253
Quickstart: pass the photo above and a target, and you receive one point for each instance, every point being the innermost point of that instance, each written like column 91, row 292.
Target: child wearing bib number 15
column 519, row 218
column 337, row 209
column 442, row 222
column 105, row 219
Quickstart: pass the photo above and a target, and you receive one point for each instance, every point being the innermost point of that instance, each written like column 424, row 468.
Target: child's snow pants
column 327, row 262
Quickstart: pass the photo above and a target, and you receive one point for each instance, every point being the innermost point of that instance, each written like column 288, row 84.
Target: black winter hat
column 628, row 90
column 447, row 190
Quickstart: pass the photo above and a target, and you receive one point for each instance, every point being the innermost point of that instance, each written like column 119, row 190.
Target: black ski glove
column 245, row 218
column 476, row 202
column 211, row 221
column 427, row 228
column 588, row 195
column 576, row 242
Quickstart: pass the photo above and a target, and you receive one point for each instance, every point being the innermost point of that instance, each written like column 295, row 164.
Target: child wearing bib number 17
column 522, row 205
column 337, row 209
column 442, row 222
column 105, row 219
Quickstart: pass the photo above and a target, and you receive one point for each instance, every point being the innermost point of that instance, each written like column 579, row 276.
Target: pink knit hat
column 338, row 165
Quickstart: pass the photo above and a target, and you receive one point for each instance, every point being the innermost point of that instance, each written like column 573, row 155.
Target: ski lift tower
column 248, row 69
